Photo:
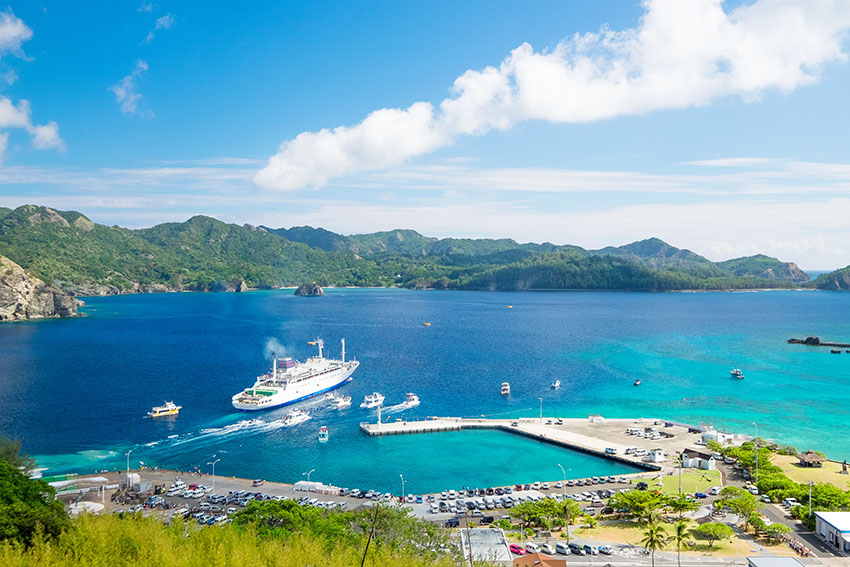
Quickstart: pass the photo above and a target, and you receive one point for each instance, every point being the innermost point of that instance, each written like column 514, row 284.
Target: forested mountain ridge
column 70, row 251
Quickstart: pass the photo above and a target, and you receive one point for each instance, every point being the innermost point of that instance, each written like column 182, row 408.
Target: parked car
column 452, row 523
column 606, row 550
column 701, row 495
column 546, row 548
column 517, row 550
column 532, row 548
column 576, row 549
column 590, row 550
column 258, row 482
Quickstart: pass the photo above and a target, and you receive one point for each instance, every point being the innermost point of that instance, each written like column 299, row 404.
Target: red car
column 517, row 550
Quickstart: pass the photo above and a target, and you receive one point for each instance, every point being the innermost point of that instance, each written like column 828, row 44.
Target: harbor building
column 693, row 459
column 834, row 529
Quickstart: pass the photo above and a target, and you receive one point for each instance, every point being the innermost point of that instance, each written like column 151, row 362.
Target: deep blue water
column 75, row 390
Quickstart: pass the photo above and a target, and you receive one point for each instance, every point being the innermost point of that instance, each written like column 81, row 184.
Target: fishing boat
column 295, row 417
column 342, row 402
column 506, row 388
column 737, row 373
column 168, row 408
column 291, row 381
column 556, row 384
column 372, row 400
column 637, row 382
column 323, row 434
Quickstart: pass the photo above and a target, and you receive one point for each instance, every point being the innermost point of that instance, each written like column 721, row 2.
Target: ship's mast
column 343, row 349
column 274, row 366
column 321, row 345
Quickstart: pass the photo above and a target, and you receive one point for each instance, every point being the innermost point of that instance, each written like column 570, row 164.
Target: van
column 562, row 548
column 433, row 508
column 715, row 490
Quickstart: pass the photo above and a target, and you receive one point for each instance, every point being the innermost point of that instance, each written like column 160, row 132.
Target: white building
column 719, row 437
column 693, row 459
column 834, row 529
column 657, row 456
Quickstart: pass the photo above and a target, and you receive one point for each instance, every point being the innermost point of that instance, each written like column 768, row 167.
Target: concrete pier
column 592, row 435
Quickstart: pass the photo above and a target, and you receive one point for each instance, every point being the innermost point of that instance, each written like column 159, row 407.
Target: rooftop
column 838, row 520
column 488, row 544
column 773, row 562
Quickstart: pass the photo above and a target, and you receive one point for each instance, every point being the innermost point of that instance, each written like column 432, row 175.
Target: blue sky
column 717, row 127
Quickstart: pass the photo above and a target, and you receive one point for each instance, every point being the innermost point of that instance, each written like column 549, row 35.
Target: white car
column 546, row 548
column 532, row 548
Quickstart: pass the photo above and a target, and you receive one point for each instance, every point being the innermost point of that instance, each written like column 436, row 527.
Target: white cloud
column 125, row 91
column 681, row 54
column 18, row 116
column 13, row 33
column 145, row 7
column 46, row 136
column 162, row 23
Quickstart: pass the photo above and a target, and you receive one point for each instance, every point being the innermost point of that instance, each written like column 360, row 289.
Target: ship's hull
column 297, row 392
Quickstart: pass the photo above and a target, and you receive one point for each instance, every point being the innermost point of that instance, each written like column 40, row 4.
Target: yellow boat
column 167, row 409
column 426, row 324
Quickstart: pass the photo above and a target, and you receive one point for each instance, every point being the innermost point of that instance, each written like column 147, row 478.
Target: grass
column 829, row 473
column 692, row 481
column 632, row 532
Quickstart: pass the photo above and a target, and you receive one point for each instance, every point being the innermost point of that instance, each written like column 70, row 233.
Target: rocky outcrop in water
column 24, row 296
column 310, row 289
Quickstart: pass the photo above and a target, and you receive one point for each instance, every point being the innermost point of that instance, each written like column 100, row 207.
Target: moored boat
column 168, row 408
column 323, row 434
column 506, row 388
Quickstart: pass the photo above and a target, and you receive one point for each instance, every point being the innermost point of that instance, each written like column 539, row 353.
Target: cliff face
column 309, row 289
column 23, row 296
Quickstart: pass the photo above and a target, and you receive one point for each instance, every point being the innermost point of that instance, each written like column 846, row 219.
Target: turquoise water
column 75, row 391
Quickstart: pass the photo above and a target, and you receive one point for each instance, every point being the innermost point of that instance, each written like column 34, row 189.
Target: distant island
column 71, row 253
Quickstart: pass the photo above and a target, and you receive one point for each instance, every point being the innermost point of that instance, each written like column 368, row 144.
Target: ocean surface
column 76, row 391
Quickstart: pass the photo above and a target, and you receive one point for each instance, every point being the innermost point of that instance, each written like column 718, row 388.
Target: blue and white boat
column 291, row 381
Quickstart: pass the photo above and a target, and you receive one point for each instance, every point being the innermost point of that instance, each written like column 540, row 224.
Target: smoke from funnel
column 273, row 347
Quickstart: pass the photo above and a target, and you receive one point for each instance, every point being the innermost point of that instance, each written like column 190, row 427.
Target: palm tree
column 679, row 537
column 653, row 539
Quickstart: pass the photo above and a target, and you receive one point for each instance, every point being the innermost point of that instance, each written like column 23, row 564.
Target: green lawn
column 692, row 481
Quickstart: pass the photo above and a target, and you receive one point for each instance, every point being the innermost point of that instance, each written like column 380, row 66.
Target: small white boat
column 342, row 402
column 411, row 400
column 737, row 373
column 323, row 434
column 166, row 409
column 506, row 388
column 372, row 400
column 295, row 417
column 556, row 384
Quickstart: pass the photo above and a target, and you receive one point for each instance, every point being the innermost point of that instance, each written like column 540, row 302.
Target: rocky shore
column 24, row 296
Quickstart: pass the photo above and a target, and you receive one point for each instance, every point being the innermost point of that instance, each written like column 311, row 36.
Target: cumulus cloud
column 145, row 7
column 681, row 54
column 18, row 116
column 125, row 91
column 162, row 23
column 13, row 33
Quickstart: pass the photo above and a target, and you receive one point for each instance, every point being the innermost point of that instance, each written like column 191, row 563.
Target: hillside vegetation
column 70, row 251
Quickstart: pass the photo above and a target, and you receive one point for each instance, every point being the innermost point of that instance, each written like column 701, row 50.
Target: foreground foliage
column 138, row 541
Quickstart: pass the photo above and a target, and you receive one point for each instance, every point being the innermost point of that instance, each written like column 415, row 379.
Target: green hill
column 204, row 254
column 839, row 280
column 761, row 266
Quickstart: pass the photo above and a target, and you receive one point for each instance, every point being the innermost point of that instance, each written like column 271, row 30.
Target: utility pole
column 402, row 487
column 756, row 441
column 810, row 499
column 213, row 472
column 541, row 409
column 128, row 467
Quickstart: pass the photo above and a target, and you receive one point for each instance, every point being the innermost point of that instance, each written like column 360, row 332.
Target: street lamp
column 213, row 472
column 308, row 473
column 402, row 487
column 756, row 441
column 128, row 466
column 541, row 409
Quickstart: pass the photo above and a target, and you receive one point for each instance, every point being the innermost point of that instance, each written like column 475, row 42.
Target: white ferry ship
column 291, row 381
